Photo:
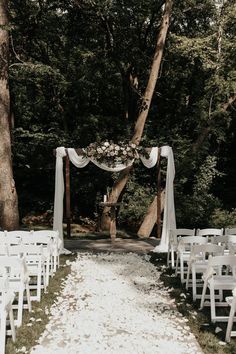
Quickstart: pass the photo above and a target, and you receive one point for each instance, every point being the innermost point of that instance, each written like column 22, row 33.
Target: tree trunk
column 146, row 101
column 151, row 217
column 9, row 217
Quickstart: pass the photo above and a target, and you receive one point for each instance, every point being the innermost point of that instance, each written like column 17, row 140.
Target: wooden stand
column 113, row 207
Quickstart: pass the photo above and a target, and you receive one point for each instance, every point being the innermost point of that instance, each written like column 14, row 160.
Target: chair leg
column 212, row 298
column 3, row 332
column 27, row 289
column 39, row 276
column 167, row 261
column 13, row 331
column 188, row 273
column 230, row 322
column 203, row 294
column 177, row 264
column 20, row 307
column 181, row 269
column 172, row 258
column 194, row 283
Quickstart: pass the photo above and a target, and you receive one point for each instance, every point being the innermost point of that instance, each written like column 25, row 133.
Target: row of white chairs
column 174, row 236
column 24, row 257
column 208, row 259
column 45, row 237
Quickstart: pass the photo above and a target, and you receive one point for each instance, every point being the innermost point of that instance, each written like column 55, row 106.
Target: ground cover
column 210, row 336
column 199, row 321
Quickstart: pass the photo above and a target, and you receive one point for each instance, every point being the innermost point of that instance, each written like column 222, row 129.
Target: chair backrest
column 9, row 238
column 24, row 250
column 34, row 239
column 175, row 233
column 230, row 231
column 224, row 240
column 204, row 250
column 51, row 233
column 185, row 243
column 14, row 267
column 54, row 235
column 18, row 233
column 209, row 232
column 217, row 262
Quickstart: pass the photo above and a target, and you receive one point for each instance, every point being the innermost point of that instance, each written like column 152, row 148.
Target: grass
column 26, row 336
column 199, row 321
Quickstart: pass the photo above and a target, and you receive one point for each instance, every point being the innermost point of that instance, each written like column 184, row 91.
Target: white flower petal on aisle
column 115, row 303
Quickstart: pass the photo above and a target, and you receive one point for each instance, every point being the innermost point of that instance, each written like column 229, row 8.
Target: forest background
column 77, row 72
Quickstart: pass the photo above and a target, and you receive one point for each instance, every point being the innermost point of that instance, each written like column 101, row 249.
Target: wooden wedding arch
column 66, row 156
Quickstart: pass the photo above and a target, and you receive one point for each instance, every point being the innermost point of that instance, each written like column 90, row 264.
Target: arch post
column 68, row 210
column 159, row 194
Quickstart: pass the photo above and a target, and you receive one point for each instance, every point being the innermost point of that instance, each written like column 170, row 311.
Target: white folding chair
column 231, row 301
column 34, row 258
column 216, row 280
column 16, row 270
column 230, row 231
column 56, row 245
column 173, row 243
column 6, row 300
column 184, row 251
column 197, row 264
column 47, row 244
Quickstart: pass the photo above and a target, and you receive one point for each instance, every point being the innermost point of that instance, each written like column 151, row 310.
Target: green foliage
column 78, row 70
column 223, row 218
column 135, row 202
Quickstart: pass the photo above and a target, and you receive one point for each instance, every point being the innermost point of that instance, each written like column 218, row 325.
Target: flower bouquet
column 111, row 154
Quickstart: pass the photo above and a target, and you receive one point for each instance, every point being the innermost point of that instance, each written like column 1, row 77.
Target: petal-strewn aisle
column 115, row 304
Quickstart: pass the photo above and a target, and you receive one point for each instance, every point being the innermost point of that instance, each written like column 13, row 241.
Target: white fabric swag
column 81, row 161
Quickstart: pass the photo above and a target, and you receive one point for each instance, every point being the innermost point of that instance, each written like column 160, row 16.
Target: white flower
column 133, row 145
column 117, row 147
column 106, row 143
column 99, row 150
column 124, row 152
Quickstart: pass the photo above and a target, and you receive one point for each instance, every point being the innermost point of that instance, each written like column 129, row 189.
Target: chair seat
column 226, row 282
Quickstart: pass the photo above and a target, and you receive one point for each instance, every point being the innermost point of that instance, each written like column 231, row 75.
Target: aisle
column 115, row 304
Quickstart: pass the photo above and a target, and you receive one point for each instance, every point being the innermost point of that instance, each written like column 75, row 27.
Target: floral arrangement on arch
column 111, row 153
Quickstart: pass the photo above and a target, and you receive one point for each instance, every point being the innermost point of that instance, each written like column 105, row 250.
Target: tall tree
column 145, row 104
column 9, row 217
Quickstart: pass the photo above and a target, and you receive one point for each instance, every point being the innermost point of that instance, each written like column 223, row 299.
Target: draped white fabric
column 152, row 160
column 77, row 160
column 81, row 161
column 59, row 194
column 169, row 221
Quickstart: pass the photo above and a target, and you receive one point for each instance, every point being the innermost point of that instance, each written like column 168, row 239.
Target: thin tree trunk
column 151, row 217
column 9, row 217
column 146, row 101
